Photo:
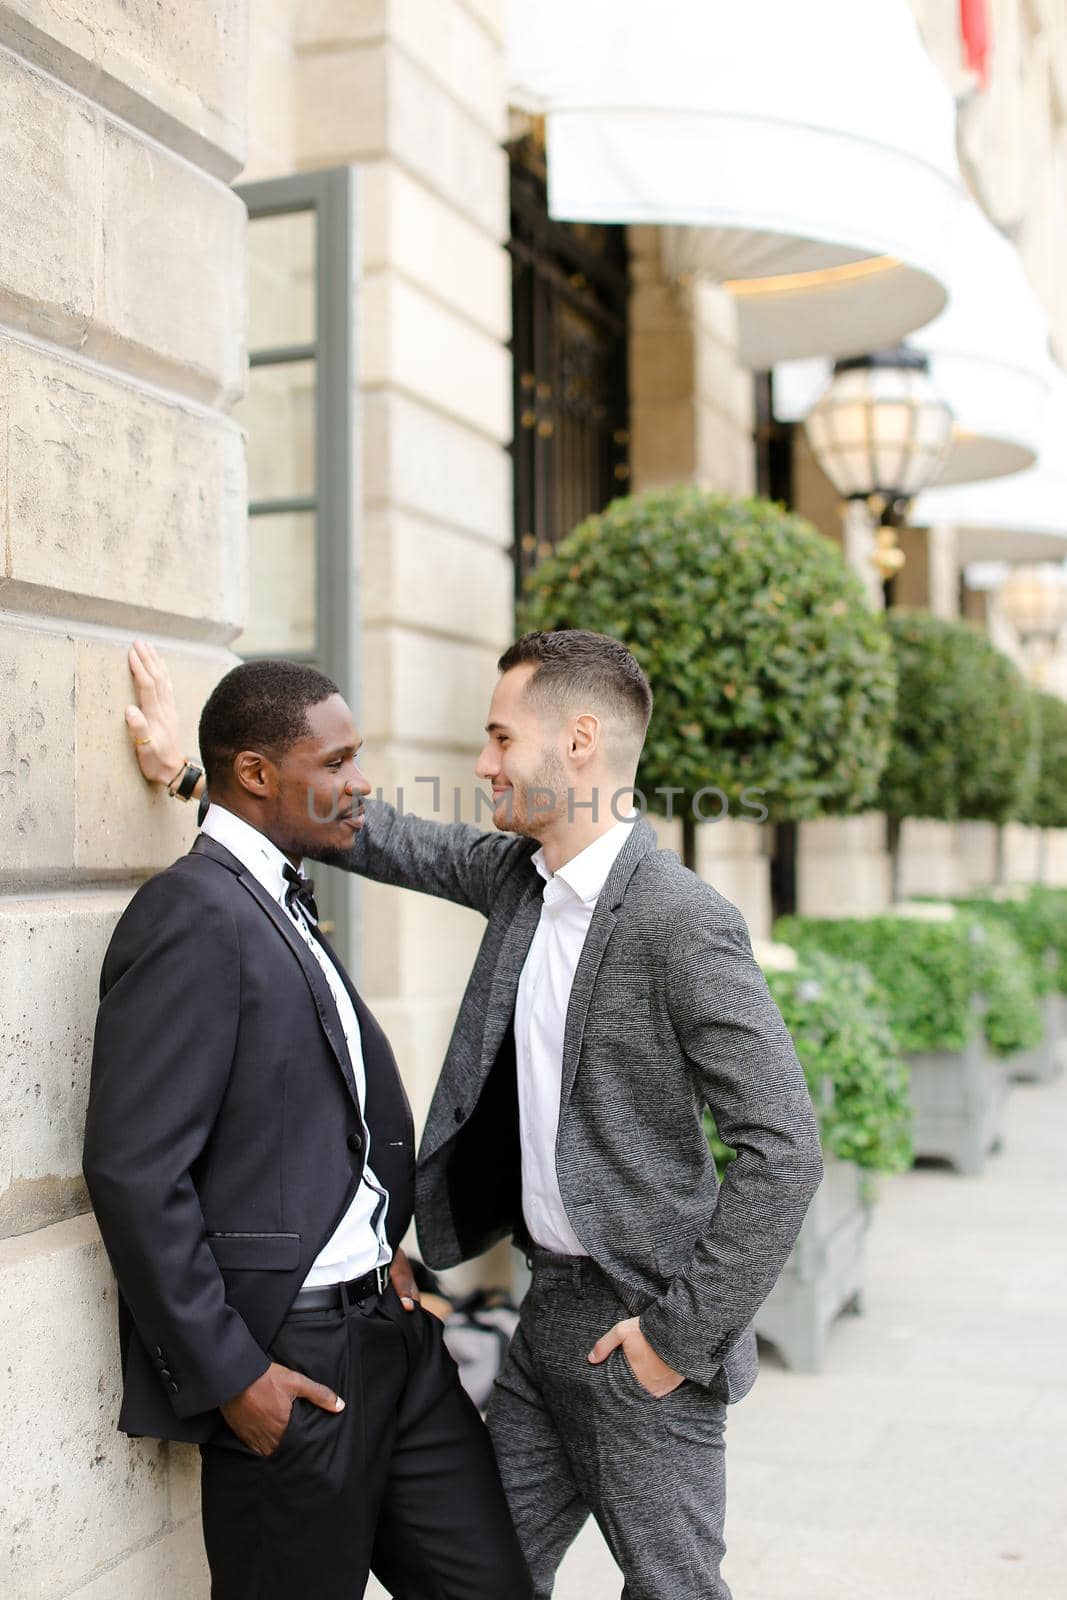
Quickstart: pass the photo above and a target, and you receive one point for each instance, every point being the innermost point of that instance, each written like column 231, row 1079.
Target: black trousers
column 402, row 1482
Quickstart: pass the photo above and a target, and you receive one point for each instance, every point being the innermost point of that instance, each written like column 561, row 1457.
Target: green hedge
column 1038, row 921
column 929, row 973
column 965, row 739
column 769, row 669
column 841, row 1032
column 1048, row 804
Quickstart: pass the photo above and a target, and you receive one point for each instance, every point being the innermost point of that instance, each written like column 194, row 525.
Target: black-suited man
column 249, row 1153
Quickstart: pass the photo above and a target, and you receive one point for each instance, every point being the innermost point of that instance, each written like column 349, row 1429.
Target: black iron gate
column 569, row 344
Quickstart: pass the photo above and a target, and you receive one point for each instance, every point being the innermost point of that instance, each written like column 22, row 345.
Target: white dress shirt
column 359, row 1242
column 570, row 897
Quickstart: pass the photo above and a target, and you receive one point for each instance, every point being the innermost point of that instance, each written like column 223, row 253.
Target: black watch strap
column 190, row 778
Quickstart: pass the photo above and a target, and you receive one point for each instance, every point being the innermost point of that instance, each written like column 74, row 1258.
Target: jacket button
column 355, row 1143
column 458, row 1113
column 158, row 1353
column 165, row 1372
column 173, row 1387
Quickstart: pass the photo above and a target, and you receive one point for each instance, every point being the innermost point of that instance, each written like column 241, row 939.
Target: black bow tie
column 301, row 891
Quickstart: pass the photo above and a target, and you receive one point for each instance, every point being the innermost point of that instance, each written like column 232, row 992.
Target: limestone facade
column 123, row 489
column 122, row 500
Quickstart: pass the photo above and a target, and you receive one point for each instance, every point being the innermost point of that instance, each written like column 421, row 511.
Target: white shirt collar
column 587, row 872
column 253, row 849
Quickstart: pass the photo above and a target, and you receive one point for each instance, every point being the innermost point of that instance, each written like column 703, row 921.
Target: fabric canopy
column 801, row 154
column 988, row 359
column 1019, row 518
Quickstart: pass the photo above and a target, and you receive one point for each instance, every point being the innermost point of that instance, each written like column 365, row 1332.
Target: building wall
column 122, row 505
column 416, row 97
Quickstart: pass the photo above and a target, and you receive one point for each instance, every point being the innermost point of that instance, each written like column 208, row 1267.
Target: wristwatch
column 183, row 783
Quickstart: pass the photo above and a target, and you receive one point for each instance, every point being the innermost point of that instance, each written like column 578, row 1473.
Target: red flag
column 977, row 37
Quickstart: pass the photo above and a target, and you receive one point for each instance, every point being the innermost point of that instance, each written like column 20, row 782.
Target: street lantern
column 880, row 432
column 1033, row 598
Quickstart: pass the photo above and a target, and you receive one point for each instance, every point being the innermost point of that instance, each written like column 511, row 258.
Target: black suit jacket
column 222, row 1144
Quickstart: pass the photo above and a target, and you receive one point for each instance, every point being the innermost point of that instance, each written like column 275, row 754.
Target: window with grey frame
column 299, row 414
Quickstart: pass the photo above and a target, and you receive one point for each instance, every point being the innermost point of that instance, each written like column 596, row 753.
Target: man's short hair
column 260, row 705
column 575, row 665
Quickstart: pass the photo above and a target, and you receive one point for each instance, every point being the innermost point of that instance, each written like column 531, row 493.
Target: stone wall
column 122, row 504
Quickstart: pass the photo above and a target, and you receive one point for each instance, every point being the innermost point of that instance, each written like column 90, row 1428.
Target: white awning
column 800, row 151
column 1019, row 518
column 988, row 358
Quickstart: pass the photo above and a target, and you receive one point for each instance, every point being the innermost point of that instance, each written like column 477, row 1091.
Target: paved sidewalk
column 929, row 1460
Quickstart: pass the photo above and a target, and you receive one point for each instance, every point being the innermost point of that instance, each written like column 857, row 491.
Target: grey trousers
column 572, row 1438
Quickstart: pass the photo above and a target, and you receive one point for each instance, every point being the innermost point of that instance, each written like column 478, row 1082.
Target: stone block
column 447, row 147
column 445, row 40
column 843, row 867
column 37, row 816
column 426, row 577
column 76, row 1493
column 341, row 105
column 976, row 855
column 424, row 462
column 50, row 154
column 120, row 503
column 1021, row 849
column 172, row 1567
column 492, row 14
column 408, row 227
column 1055, row 873
column 419, row 1031
column 116, row 247
column 661, row 365
column 46, row 1049
column 410, row 341
column 731, row 856
column 123, row 826
column 177, row 74
column 927, row 857
column 271, row 95
column 422, row 947
column 431, row 691
column 663, row 444
column 171, row 290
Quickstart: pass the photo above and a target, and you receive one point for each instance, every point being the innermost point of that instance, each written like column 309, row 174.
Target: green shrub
column 965, row 738
column 842, row 1035
column 1051, row 906
column 1037, row 920
column 1048, row 803
column 930, row 972
column 769, row 669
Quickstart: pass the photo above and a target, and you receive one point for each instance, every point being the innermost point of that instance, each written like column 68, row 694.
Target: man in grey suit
column 614, row 997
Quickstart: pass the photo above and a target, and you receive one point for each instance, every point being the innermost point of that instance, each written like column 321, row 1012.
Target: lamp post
column 881, row 432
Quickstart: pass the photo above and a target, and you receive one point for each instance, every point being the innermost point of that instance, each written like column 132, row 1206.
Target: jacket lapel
column 513, row 952
column 641, row 842
column 316, row 981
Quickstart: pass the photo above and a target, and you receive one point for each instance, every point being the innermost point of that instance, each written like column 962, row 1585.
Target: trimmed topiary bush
column 842, row 1034
column 965, row 737
column 1048, row 802
column 929, row 972
column 770, row 671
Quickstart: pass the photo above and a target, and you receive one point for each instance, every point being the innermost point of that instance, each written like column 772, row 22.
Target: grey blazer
column 669, row 1013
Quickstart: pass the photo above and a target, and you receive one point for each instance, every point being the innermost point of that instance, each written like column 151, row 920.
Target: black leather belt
column 339, row 1296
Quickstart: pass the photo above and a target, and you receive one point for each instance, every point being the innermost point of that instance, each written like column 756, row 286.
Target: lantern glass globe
column 880, row 428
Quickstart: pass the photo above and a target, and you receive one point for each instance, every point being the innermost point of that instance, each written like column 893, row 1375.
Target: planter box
column 958, row 1097
column 824, row 1273
column 1044, row 1062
